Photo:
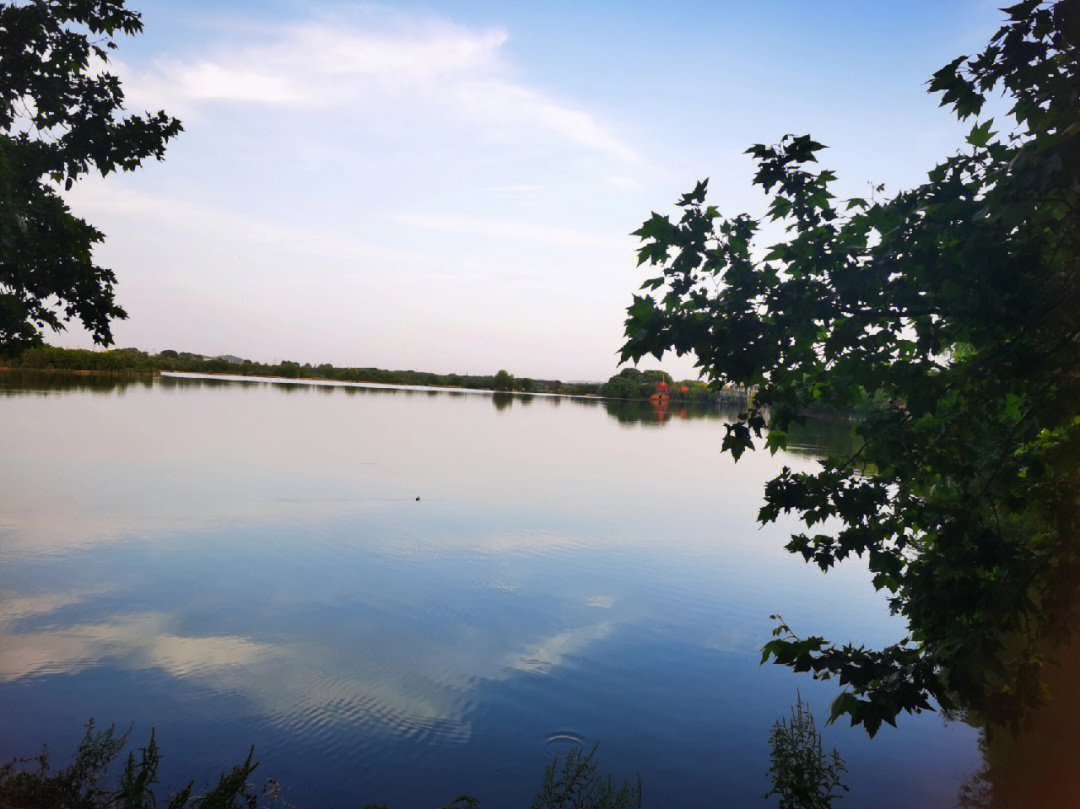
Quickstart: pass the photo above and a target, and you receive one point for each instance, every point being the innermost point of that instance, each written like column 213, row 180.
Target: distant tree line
column 629, row 383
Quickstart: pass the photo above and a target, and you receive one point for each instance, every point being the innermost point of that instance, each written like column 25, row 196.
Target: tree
column 652, row 377
column 61, row 117
column 950, row 316
column 504, row 381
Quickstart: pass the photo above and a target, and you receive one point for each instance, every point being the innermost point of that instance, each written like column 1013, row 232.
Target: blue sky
column 451, row 187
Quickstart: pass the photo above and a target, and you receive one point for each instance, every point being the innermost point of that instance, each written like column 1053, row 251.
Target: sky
column 452, row 186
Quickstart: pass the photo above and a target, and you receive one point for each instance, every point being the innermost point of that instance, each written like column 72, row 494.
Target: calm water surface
column 239, row 563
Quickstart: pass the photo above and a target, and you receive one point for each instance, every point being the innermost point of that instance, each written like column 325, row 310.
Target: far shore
column 315, row 380
column 78, row 371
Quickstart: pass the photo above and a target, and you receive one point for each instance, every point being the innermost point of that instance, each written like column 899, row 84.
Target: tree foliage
column 504, row 381
column 950, row 315
column 61, row 117
column 125, row 360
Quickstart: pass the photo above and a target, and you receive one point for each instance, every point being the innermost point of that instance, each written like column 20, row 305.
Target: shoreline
column 79, row 371
column 313, row 380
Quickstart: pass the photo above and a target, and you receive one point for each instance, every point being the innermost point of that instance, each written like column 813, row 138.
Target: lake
column 404, row 595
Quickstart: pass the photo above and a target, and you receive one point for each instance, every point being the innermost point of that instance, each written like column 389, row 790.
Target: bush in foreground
column 802, row 775
column 571, row 781
column 82, row 785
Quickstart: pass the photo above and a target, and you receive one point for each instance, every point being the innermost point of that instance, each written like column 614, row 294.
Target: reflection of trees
column 204, row 382
column 822, row 436
column 1034, row 766
column 33, row 380
column 813, row 438
column 626, row 411
column 503, row 399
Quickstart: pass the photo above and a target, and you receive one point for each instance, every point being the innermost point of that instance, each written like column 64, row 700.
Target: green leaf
column 846, row 703
column 980, row 135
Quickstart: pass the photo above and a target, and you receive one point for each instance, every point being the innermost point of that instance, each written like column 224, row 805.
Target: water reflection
column 350, row 657
column 814, row 438
column 231, row 563
column 661, row 412
column 16, row 382
column 1034, row 766
column 136, row 641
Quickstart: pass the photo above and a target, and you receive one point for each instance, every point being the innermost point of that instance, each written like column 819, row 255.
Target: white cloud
column 206, row 81
column 513, row 230
column 623, row 182
column 505, row 108
column 17, row 608
column 96, row 198
column 600, row 602
column 366, row 68
column 142, row 639
column 511, row 190
column 294, row 682
column 228, row 230
column 436, row 49
column 549, row 653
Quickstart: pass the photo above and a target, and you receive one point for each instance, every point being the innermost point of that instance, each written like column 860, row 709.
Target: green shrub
column 572, row 781
column 802, row 774
column 83, row 783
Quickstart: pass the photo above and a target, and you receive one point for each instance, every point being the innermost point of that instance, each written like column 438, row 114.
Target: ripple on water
column 340, row 712
column 562, row 742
